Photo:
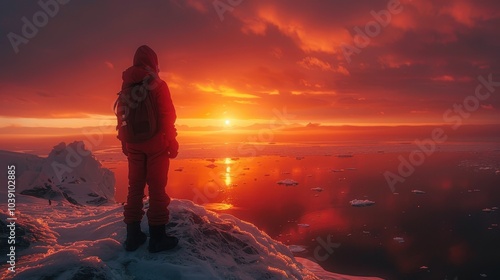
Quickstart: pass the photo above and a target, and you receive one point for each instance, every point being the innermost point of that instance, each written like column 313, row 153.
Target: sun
column 227, row 122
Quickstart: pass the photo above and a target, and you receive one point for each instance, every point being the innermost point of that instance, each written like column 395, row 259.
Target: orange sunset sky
column 235, row 66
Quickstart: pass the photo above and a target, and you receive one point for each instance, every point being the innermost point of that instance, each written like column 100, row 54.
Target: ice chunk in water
column 361, row 202
column 399, row 239
column 297, row 248
column 418, row 192
column 288, row 182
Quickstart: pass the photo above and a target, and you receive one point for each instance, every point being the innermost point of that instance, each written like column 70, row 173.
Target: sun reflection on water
column 227, row 175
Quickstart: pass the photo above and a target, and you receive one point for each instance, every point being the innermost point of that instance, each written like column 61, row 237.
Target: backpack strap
column 116, row 103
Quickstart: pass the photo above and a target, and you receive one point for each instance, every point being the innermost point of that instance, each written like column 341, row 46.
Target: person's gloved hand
column 173, row 148
column 124, row 148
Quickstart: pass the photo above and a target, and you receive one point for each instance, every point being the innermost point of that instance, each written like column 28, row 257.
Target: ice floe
column 345, row 156
column 399, row 239
column 297, row 248
column 361, row 202
column 418, row 192
column 287, row 182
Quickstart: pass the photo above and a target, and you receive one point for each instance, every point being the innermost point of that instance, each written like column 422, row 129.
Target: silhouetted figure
column 148, row 161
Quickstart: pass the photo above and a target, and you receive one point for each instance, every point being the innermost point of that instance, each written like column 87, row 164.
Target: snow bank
column 69, row 173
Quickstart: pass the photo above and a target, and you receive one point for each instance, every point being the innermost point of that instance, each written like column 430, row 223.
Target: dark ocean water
column 450, row 231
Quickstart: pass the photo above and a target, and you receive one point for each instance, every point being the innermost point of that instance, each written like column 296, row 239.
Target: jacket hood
column 145, row 64
column 146, row 58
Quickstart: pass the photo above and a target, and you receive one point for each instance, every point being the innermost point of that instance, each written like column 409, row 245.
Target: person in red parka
column 148, row 161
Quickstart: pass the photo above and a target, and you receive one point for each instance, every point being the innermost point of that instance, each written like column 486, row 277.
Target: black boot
column 135, row 237
column 159, row 240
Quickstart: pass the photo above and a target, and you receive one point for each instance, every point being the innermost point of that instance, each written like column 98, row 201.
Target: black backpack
column 136, row 111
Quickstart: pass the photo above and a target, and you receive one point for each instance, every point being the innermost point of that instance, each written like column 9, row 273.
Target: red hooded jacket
column 146, row 67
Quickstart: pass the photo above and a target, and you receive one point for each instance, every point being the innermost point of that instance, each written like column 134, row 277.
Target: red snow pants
column 148, row 163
